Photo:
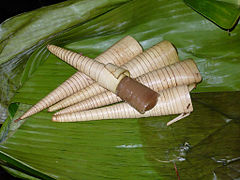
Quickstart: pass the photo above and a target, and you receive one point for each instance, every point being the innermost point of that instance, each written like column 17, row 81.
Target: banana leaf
column 202, row 146
column 225, row 13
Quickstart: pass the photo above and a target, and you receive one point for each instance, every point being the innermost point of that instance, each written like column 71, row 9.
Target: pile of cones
column 83, row 97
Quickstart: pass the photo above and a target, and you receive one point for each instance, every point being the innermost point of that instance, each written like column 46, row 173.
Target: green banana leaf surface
column 204, row 145
column 225, row 13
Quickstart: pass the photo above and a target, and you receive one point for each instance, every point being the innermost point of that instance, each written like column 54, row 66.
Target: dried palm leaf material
column 174, row 100
column 111, row 77
column 160, row 55
column 181, row 73
column 121, row 52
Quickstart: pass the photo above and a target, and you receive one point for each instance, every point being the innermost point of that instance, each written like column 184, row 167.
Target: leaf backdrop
column 204, row 145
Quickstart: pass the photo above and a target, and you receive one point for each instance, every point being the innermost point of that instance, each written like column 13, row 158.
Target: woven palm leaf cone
column 180, row 73
column 160, row 55
column 121, row 52
column 174, row 100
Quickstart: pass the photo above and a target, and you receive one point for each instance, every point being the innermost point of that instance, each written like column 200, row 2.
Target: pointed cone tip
column 16, row 120
column 54, row 118
column 50, row 47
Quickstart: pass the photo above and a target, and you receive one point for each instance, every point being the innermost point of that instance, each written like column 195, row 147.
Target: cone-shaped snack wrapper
column 158, row 56
column 121, row 52
column 107, row 75
column 175, row 100
column 110, row 77
column 181, row 73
